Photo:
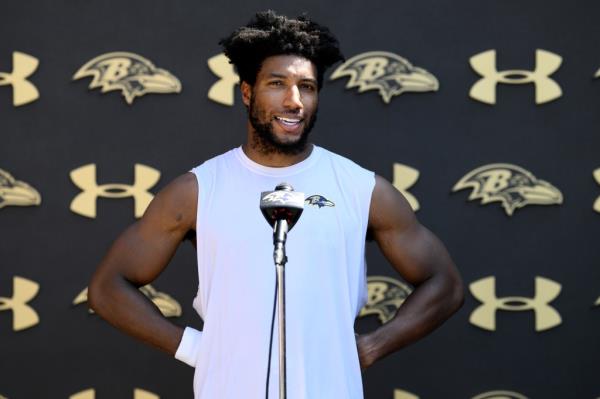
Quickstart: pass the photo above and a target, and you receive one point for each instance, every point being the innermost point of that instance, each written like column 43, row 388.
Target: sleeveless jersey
column 325, row 279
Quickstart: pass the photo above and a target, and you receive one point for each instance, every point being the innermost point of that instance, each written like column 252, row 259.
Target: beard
column 265, row 139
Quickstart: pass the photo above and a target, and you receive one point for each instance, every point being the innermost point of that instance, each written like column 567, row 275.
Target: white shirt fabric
column 325, row 279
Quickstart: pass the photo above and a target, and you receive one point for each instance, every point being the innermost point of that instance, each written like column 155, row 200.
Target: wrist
column 189, row 346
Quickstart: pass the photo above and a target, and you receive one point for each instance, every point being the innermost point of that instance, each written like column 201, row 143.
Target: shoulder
column 389, row 208
column 216, row 160
column 345, row 163
column 175, row 205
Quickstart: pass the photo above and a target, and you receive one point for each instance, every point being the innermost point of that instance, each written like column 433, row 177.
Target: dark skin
column 285, row 88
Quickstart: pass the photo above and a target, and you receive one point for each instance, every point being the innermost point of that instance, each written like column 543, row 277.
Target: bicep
column 144, row 249
column 412, row 249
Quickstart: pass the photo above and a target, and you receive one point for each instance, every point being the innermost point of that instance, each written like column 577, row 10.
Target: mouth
column 290, row 125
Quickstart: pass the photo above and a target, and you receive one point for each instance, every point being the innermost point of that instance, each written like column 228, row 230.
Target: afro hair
column 269, row 34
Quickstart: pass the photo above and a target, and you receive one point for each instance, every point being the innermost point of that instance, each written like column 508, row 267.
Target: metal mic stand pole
column 280, row 258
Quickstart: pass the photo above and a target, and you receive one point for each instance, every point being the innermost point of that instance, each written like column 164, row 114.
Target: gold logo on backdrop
column 84, row 177
column 167, row 305
column 401, row 394
column 384, row 296
column 137, row 394
column 388, row 73
column 131, row 73
column 24, row 291
column 509, row 184
column 546, row 89
column 24, row 66
column 597, row 178
column 500, row 395
column 16, row 193
column 222, row 91
column 546, row 290
column 404, row 178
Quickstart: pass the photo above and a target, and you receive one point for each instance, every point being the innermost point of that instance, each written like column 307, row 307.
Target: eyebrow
column 281, row 76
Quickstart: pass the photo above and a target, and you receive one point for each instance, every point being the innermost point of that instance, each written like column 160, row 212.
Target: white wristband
column 188, row 348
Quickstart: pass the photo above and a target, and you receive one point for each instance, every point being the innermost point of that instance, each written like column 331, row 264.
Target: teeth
column 286, row 120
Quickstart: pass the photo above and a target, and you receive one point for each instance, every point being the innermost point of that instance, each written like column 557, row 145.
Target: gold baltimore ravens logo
column 509, row 184
column 133, row 74
column 385, row 296
column 138, row 393
column 16, row 193
column 386, row 72
column 167, row 305
column 500, row 395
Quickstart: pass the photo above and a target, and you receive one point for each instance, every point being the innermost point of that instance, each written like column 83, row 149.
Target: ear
column 246, row 93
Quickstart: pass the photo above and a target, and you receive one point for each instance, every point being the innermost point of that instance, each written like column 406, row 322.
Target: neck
column 275, row 159
column 272, row 158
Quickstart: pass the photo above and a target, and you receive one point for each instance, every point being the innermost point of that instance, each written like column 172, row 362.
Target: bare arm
column 422, row 260
column 137, row 257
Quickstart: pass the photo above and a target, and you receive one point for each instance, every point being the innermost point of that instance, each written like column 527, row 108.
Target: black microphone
column 282, row 209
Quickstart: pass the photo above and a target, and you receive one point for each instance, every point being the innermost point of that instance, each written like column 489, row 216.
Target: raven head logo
column 167, row 305
column 386, row 72
column 500, row 395
column 509, row 184
column 318, row 200
column 385, row 296
column 133, row 74
column 16, row 193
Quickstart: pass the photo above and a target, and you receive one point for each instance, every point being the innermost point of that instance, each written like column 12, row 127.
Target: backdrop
column 483, row 113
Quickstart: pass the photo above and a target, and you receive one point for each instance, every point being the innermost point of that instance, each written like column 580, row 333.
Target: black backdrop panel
column 443, row 134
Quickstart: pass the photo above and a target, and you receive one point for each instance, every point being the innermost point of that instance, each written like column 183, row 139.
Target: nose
column 292, row 100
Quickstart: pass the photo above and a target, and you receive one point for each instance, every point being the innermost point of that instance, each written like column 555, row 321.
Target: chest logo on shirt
column 318, row 200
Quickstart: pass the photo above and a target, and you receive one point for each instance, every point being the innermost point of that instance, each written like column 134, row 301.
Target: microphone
column 282, row 209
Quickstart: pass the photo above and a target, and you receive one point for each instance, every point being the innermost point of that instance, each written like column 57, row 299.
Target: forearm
column 430, row 304
column 121, row 304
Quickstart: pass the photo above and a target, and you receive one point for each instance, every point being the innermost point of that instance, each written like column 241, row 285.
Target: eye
column 275, row 83
column 308, row 87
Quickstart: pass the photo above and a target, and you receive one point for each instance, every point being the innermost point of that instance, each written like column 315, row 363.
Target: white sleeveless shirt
column 325, row 279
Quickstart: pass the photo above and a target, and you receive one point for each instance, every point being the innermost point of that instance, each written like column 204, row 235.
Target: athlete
column 281, row 63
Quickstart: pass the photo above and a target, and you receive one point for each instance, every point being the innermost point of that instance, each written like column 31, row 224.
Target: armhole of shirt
column 366, row 194
column 204, row 178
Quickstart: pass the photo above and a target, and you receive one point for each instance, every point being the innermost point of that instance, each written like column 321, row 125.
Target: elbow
column 457, row 293
column 94, row 294
column 98, row 292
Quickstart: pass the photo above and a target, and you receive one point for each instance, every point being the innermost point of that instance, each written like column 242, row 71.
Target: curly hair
column 269, row 34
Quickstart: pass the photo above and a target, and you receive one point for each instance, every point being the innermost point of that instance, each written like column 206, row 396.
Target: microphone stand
column 280, row 258
column 282, row 209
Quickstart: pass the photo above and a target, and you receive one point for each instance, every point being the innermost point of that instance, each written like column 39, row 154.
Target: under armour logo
column 500, row 395
column 546, row 89
column 24, row 66
column 137, row 394
column 404, row 178
column 401, row 394
column 222, row 91
column 546, row 290
column 24, row 316
column 84, row 177
column 597, row 178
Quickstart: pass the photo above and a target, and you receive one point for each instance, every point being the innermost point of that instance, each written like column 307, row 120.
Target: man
column 281, row 63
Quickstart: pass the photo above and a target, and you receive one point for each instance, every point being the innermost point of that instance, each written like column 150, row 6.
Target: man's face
column 282, row 104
